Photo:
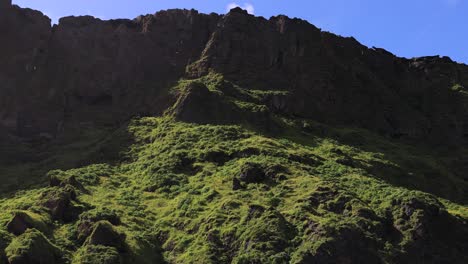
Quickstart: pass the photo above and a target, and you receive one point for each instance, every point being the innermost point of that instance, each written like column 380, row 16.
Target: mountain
column 182, row 137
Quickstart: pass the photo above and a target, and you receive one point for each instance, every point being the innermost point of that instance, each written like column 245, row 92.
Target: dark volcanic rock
column 337, row 80
column 21, row 52
column 18, row 224
column 4, row 4
column 60, row 203
column 57, row 181
column 85, row 71
column 252, row 173
column 426, row 226
column 197, row 104
column 22, row 221
column 88, row 70
column 89, row 219
column 104, row 234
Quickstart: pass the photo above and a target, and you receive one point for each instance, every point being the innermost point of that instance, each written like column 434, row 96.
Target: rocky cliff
column 182, row 137
column 87, row 70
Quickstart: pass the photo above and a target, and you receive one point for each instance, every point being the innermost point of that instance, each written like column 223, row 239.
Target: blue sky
column 406, row 28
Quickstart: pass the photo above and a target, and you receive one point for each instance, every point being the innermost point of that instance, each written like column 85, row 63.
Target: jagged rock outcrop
column 197, row 104
column 89, row 219
column 85, row 67
column 338, row 80
column 60, row 202
column 85, row 71
column 104, row 234
column 22, row 221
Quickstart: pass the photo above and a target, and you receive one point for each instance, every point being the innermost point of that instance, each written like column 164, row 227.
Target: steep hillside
column 181, row 137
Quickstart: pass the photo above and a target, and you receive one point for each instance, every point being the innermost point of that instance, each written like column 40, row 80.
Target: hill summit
column 182, row 137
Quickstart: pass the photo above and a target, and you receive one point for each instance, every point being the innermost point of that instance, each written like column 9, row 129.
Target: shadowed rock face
column 88, row 70
column 25, row 35
column 85, row 70
column 338, row 80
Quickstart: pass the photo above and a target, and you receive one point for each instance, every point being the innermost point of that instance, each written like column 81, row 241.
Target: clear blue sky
column 406, row 28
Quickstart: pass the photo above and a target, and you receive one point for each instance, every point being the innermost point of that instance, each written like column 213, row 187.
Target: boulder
column 60, row 203
column 88, row 220
column 104, row 234
column 252, row 173
column 60, row 181
column 32, row 247
column 18, row 224
column 21, row 221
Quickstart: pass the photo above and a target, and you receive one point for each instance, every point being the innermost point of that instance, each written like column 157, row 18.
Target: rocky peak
column 238, row 10
column 78, row 21
column 90, row 70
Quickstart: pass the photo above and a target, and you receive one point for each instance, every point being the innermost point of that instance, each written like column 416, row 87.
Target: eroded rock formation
column 85, row 71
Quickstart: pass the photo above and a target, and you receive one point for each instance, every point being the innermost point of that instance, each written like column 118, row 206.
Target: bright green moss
column 5, row 239
column 457, row 88
column 324, row 192
column 96, row 254
column 29, row 220
column 33, row 247
column 89, row 175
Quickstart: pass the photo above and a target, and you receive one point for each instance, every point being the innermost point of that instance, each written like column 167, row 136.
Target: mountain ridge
column 189, row 138
column 329, row 77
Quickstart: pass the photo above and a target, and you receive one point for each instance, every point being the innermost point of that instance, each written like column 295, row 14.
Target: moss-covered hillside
column 193, row 186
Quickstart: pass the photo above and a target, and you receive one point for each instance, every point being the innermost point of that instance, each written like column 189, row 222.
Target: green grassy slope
column 212, row 193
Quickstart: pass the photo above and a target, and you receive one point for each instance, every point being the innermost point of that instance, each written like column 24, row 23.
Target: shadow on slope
column 24, row 164
column 409, row 164
column 413, row 164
